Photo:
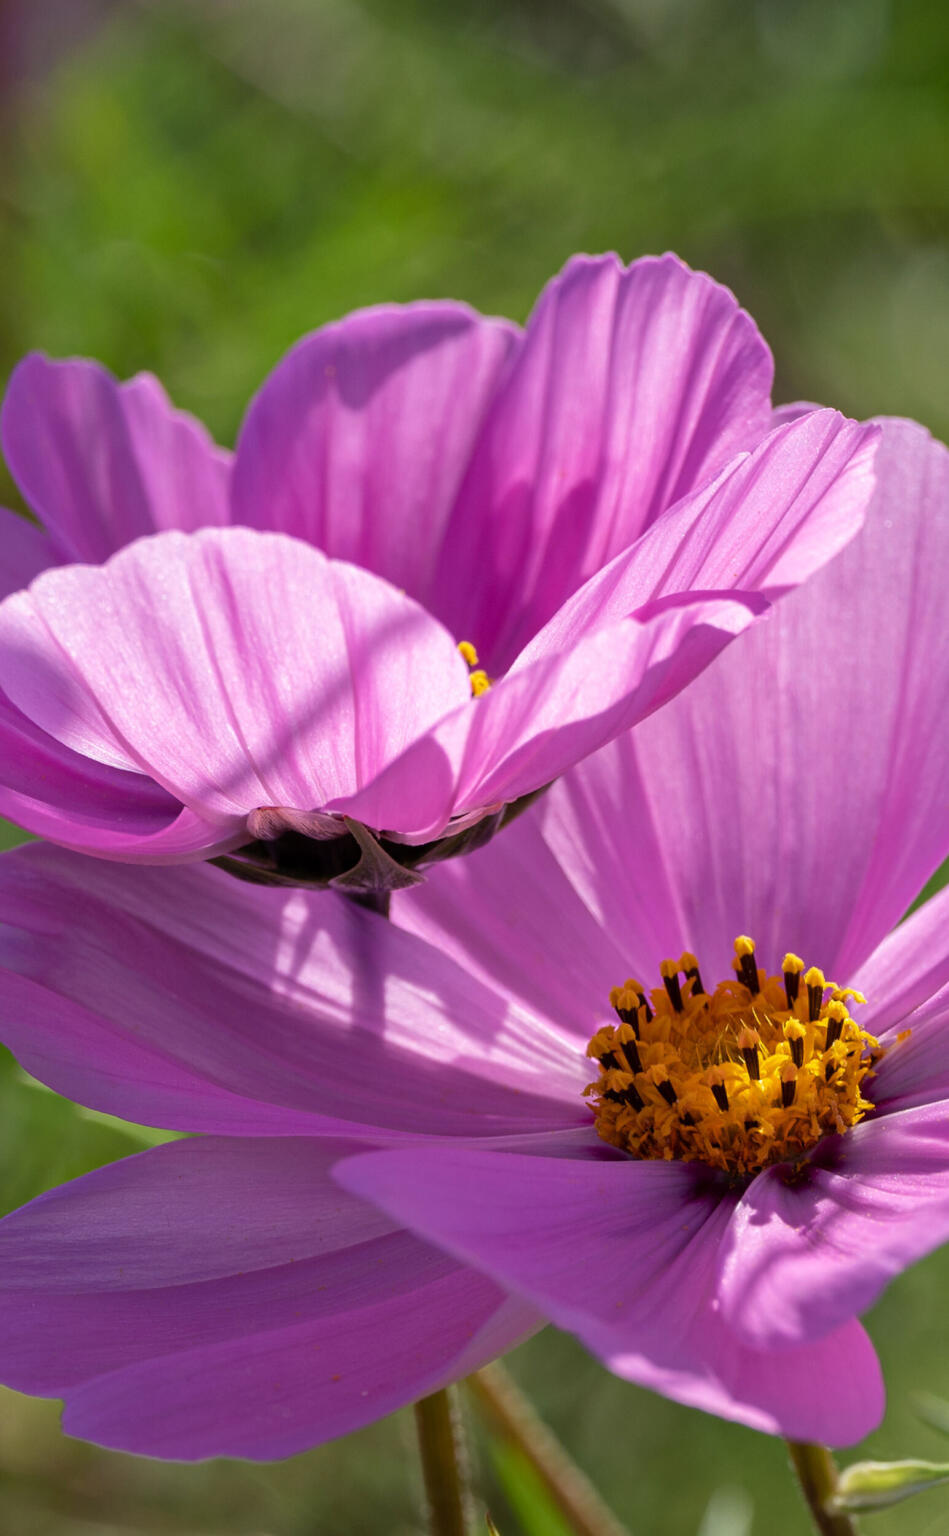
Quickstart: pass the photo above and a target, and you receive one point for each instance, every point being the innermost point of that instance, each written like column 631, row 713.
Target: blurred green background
column 187, row 187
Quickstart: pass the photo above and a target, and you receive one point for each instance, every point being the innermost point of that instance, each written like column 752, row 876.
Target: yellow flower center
column 479, row 680
column 753, row 1073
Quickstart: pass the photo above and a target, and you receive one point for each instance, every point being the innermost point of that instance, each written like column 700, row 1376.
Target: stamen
column 815, row 984
column 792, row 966
column 745, row 964
column 690, row 968
column 749, row 1075
column 478, row 678
column 748, row 1042
column 836, row 1018
column 715, row 1080
column 796, row 1033
column 669, row 971
column 627, row 1039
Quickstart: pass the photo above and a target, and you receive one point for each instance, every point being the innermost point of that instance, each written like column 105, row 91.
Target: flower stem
column 571, row 1491
column 438, row 1423
column 817, row 1474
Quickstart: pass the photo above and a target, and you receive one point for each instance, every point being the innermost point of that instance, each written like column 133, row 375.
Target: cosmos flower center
column 478, row 678
column 756, row 1072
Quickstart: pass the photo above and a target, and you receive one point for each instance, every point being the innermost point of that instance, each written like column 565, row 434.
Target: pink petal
column 512, row 915
column 633, row 386
column 102, row 463
column 808, row 1252
column 797, row 791
column 237, row 669
column 221, row 1297
column 770, row 520
column 359, row 439
column 538, row 721
column 624, row 1255
column 191, row 1000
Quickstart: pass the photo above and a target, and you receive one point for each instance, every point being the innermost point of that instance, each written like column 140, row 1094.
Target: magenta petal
column 191, row 1000
column 222, row 1297
column 359, row 439
column 541, row 719
column 237, row 669
column 907, row 983
column 908, row 969
column 25, row 550
column 807, row 1253
column 633, row 385
column 102, row 463
column 624, row 1255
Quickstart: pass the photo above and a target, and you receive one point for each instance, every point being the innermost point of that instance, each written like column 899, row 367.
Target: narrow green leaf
column 492, row 1528
column 532, row 1504
column 933, row 1410
column 869, row 1485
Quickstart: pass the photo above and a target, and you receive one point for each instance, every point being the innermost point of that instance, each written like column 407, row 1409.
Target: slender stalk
column 817, row 1474
column 572, row 1492
column 438, row 1423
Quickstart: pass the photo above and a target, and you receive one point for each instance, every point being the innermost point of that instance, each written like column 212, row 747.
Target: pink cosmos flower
column 593, row 508
column 224, row 1295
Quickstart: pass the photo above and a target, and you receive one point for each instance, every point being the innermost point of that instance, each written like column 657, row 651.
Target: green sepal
column 870, row 1485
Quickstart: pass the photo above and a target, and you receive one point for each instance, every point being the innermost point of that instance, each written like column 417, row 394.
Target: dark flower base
column 358, row 863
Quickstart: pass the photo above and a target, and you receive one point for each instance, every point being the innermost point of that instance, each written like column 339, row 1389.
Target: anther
column 669, row 971
column 748, row 1042
column 716, row 1082
column 658, row 1077
column 815, row 984
column 788, row 1084
column 745, row 963
column 627, row 1039
column 689, row 965
column 468, row 653
column 795, row 1033
column 480, row 683
column 836, row 1019
column 792, row 966
column 633, row 1097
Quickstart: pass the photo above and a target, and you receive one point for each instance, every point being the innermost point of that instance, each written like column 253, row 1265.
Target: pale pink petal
column 359, row 439
column 538, row 721
column 770, row 520
column 221, row 1297
column 809, row 1249
column 625, row 1255
column 188, row 999
column 633, row 386
column 237, row 669
column 102, row 463
column 797, row 791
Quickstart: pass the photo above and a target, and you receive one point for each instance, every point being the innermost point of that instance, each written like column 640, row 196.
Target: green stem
column 817, row 1474
column 571, row 1491
column 438, row 1423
